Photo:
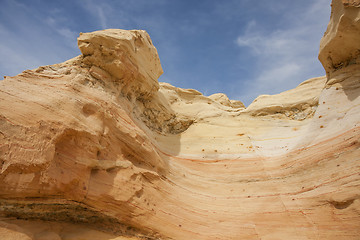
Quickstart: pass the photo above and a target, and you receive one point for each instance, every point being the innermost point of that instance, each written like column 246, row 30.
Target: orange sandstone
column 96, row 148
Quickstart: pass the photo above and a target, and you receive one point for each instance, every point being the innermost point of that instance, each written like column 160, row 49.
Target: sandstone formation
column 340, row 46
column 96, row 148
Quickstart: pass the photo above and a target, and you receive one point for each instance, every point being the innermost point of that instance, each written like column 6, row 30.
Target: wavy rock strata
column 96, row 148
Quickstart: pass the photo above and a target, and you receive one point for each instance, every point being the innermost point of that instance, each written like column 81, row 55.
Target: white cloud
column 68, row 34
column 284, row 57
column 14, row 61
column 98, row 10
column 278, row 74
column 102, row 18
column 31, row 38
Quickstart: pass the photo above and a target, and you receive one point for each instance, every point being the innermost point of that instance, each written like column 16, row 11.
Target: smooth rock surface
column 96, row 148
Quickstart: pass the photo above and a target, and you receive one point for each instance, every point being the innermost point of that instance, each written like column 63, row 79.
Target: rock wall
column 96, row 148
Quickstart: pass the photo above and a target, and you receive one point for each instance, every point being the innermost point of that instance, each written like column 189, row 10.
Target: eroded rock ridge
column 97, row 148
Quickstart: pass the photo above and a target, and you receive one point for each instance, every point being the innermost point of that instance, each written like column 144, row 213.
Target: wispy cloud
column 13, row 62
column 100, row 10
column 31, row 37
column 286, row 56
column 67, row 35
column 102, row 18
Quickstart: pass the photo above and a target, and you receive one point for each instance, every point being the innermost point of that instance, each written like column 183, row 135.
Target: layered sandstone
column 96, row 148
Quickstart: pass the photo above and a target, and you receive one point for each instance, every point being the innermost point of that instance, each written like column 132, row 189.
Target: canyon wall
column 97, row 148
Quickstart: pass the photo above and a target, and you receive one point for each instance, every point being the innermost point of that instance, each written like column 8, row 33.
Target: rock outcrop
column 96, row 148
column 340, row 46
column 127, row 58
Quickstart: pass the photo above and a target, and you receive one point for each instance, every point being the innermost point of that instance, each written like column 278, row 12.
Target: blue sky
column 242, row 48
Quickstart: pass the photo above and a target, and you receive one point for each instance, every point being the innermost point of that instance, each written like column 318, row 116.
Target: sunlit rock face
column 340, row 46
column 96, row 148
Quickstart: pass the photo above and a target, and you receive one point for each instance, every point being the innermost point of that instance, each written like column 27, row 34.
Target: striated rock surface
column 96, row 148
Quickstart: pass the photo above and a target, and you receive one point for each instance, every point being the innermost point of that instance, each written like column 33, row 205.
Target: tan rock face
column 96, row 148
column 126, row 57
column 353, row 3
column 340, row 46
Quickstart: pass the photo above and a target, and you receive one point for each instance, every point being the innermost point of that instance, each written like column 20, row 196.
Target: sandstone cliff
column 96, row 148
